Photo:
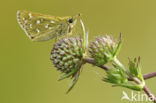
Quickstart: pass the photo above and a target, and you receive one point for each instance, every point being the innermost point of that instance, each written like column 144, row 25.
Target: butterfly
column 40, row 27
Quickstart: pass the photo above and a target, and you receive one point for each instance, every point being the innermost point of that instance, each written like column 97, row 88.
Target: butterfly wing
column 39, row 27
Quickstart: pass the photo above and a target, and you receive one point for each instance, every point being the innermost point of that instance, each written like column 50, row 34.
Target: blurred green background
column 26, row 72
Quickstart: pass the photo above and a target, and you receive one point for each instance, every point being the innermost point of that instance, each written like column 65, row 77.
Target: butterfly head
column 72, row 20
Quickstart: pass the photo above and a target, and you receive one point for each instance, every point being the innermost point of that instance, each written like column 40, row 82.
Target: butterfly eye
column 70, row 20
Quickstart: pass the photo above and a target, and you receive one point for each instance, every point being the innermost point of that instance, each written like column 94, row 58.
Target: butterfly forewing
column 41, row 27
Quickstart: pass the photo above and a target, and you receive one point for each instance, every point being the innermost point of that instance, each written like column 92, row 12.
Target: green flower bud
column 67, row 57
column 116, row 76
column 134, row 68
column 66, row 54
column 104, row 49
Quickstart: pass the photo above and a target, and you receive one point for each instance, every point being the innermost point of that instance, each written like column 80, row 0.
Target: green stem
column 84, row 36
column 118, row 63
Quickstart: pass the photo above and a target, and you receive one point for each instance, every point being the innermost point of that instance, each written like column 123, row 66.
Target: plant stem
column 149, row 75
column 84, row 36
column 92, row 61
column 147, row 91
column 116, row 61
column 146, row 76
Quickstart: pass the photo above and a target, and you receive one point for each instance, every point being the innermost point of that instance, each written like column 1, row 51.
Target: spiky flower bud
column 104, row 49
column 66, row 54
column 118, row 77
column 134, row 68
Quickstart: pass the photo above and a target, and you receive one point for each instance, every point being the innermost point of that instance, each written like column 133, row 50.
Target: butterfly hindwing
column 41, row 27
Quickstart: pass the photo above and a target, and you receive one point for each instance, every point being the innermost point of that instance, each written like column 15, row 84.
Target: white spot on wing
column 47, row 25
column 19, row 19
column 30, row 15
column 51, row 21
column 31, row 26
column 25, row 30
column 38, row 22
column 37, row 30
column 25, row 21
column 22, row 26
column 23, row 18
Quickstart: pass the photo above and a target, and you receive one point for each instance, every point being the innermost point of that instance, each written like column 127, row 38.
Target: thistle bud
column 66, row 54
column 67, row 57
column 104, row 49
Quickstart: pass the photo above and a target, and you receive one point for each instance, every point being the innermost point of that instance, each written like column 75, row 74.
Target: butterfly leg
column 56, row 39
column 68, row 35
